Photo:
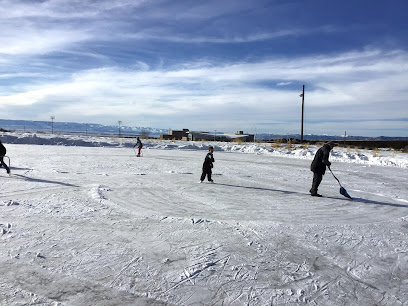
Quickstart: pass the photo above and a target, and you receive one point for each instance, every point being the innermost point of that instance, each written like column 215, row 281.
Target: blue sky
column 208, row 65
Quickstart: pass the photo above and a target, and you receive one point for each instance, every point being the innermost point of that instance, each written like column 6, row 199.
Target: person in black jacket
column 207, row 165
column 318, row 166
column 3, row 152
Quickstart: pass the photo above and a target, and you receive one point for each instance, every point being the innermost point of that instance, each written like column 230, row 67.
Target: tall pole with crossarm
column 52, row 124
column 303, row 111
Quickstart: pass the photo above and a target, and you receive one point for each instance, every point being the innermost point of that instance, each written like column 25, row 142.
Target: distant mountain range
column 80, row 128
column 92, row 128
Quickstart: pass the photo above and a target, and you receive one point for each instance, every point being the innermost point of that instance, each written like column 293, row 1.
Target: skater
column 207, row 165
column 318, row 166
column 139, row 145
column 3, row 152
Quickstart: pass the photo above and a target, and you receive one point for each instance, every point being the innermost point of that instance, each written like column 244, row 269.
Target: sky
column 208, row 65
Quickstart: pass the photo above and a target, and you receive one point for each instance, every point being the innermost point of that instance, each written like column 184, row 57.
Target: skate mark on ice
column 5, row 228
column 9, row 203
column 61, row 288
column 188, row 274
column 133, row 261
column 273, row 203
column 177, row 172
column 199, row 220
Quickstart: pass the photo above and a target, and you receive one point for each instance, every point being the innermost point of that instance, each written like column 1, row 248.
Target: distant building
column 239, row 136
column 186, row 134
column 176, row 135
column 203, row 136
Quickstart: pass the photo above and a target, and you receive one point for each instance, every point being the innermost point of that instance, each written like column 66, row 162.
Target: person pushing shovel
column 318, row 166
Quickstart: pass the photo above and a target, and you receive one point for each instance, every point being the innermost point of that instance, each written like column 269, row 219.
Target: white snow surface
column 83, row 221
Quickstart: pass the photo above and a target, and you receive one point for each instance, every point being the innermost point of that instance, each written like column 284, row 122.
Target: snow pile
column 368, row 157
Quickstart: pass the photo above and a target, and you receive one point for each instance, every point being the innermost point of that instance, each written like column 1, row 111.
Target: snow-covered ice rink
column 98, row 226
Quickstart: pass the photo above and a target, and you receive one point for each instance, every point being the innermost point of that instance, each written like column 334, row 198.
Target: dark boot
column 317, row 179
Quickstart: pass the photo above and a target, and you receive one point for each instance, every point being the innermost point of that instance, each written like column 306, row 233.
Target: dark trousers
column 206, row 172
column 4, row 164
column 317, row 179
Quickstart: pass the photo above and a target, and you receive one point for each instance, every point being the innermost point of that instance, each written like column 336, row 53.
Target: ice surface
column 85, row 222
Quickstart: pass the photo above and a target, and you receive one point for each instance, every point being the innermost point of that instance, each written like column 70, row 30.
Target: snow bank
column 382, row 158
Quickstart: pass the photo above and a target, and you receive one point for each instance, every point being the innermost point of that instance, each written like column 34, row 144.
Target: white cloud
column 62, row 9
column 41, row 27
column 31, row 41
column 283, row 83
column 346, row 86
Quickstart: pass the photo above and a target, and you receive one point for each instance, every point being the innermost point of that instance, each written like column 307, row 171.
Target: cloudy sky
column 223, row 65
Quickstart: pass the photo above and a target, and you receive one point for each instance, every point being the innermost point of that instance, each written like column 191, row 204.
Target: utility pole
column 303, row 111
column 215, row 132
column 120, row 122
column 52, row 124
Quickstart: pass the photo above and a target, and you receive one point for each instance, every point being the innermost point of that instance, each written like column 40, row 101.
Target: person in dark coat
column 318, row 166
column 208, row 165
column 3, row 152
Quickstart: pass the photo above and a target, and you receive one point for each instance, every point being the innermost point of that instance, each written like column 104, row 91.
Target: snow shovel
column 343, row 190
